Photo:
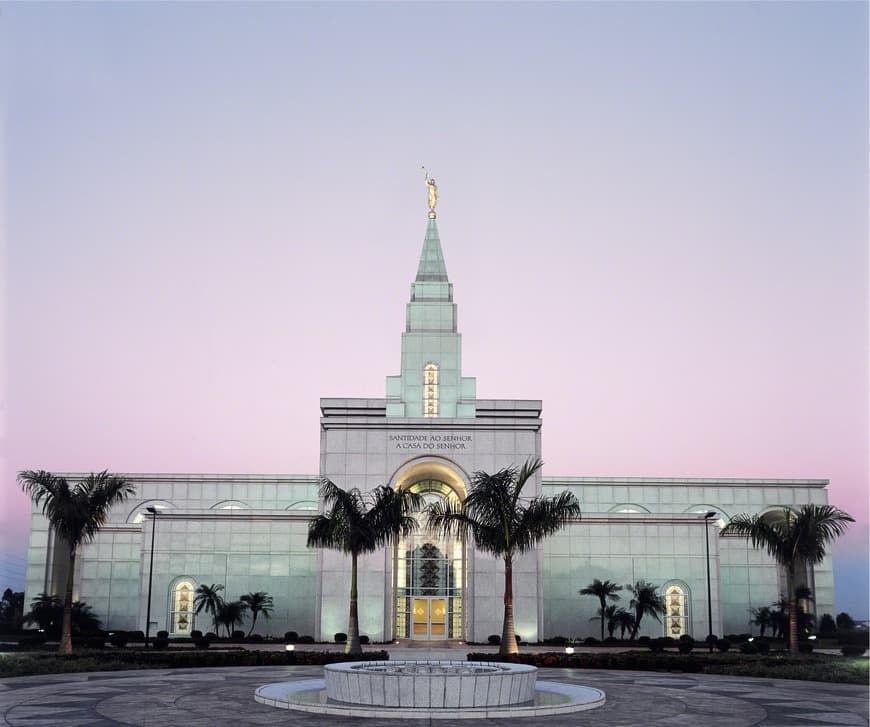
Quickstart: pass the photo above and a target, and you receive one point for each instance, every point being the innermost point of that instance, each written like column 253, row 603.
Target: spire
column 431, row 267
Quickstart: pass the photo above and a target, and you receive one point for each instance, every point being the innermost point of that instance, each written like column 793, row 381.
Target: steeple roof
column 431, row 267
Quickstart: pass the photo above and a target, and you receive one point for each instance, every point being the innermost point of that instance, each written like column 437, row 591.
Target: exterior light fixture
column 290, row 647
column 707, row 516
column 569, row 649
column 812, row 638
column 751, row 638
column 153, row 511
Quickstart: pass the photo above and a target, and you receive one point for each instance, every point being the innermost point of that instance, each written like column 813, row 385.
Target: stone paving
column 225, row 696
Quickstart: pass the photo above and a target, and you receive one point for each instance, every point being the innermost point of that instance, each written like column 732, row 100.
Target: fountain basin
column 430, row 684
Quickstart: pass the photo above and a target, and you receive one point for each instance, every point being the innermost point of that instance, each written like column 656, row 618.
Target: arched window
column 628, row 507
column 676, row 621
column 430, row 390
column 181, row 608
column 231, row 505
column 138, row 513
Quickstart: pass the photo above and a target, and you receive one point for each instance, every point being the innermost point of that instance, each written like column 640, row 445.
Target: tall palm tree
column 602, row 590
column 625, row 621
column 76, row 514
column 792, row 538
column 46, row 612
column 208, row 599
column 259, row 602
column 503, row 526
column 645, row 601
column 230, row 614
column 357, row 524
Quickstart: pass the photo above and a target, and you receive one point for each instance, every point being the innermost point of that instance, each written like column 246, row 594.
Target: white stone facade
column 248, row 532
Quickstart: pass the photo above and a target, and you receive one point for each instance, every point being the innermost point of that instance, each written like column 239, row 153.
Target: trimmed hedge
column 187, row 659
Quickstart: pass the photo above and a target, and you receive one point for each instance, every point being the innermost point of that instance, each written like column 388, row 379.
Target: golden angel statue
column 433, row 193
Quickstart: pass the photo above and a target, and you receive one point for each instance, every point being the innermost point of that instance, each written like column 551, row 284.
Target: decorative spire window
column 181, row 614
column 430, row 390
column 676, row 618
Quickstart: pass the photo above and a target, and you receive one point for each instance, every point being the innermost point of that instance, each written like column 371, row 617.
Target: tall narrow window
column 430, row 390
column 676, row 618
column 181, row 615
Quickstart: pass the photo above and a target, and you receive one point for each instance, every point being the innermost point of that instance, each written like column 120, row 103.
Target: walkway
column 214, row 697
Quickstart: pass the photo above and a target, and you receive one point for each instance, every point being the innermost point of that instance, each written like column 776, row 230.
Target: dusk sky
column 654, row 215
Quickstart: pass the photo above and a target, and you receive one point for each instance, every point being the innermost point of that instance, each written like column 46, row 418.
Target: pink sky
column 654, row 216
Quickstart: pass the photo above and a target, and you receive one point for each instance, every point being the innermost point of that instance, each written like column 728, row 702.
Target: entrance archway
column 429, row 569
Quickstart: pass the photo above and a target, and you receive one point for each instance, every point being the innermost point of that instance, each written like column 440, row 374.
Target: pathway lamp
column 153, row 511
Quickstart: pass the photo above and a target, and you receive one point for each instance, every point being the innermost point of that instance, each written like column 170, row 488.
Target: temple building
column 429, row 432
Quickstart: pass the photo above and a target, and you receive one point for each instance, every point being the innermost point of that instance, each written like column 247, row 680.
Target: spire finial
column 433, row 193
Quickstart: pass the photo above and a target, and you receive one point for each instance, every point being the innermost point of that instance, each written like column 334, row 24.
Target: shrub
column 119, row 639
column 238, row 635
column 611, row 640
column 657, row 646
column 363, row 639
column 845, row 622
column 494, row 639
column 137, row 635
column 711, row 640
column 748, row 647
column 255, row 638
column 853, row 650
column 763, row 646
column 210, row 636
column 162, row 634
column 644, row 640
column 305, row 639
column 805, row 647
column 827, row 625
column 591, row 641
column 686, row 644
column 160, row 643
column 202, row 643
column 340, row 638
column 291, row 637
column 723, row 645
column 195, row 634
column 36, row 639
column 859, row 637
column 556, row 641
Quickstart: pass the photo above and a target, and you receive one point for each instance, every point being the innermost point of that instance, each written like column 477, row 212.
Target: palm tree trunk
column 253, row 623
column 353, row 645
column 66, row 629
column 602, row 618
column 792, row 614
column 508, row 637
column 637, row 617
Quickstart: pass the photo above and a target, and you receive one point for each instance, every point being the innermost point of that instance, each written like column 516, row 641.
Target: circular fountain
column 430, row 689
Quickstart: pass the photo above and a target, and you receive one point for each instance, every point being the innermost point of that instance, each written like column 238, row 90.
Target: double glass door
column 429, row 618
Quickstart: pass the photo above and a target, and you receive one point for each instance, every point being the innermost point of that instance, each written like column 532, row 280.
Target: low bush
column 762, row 645
column 211, row 636
column 119, row 639
column 556, row 641
column 202, row 643
column 853, row 650
column 255, row 638
column 644, row 640
column 90, row 641
column 238, row 635
column 748, row 647
column 340, row 638
column 611, row 640
column 723, row 645
column 195, row 634
column 805, row 647
column 591, row 641
column 686, row 644
column 494, row 639
column 160, row 643
column 657, row 646
column 291, row 637
column 305, row 639
column 363, row 639
column 31, row 641
column 163, row 635
column 137, row 636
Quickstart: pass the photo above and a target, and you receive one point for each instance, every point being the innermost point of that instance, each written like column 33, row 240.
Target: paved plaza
column 225, row 696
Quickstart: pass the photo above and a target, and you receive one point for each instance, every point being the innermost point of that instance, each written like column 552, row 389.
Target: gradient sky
column 654, row 215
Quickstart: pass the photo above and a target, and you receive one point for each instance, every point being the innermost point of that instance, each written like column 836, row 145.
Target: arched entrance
column 429, row 572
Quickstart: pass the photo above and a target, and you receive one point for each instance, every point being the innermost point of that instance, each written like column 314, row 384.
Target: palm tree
column 602, row 591
column 610, row 614
column 12, row 609
column 357, row 524
column 259, row 602
column 208, row 599
column 46, row 612
column 792, row 538
column 76, row 513
column 503, row 526
column 762, row 617
column 625, row 621
column 230, row 614
column 646, row 601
